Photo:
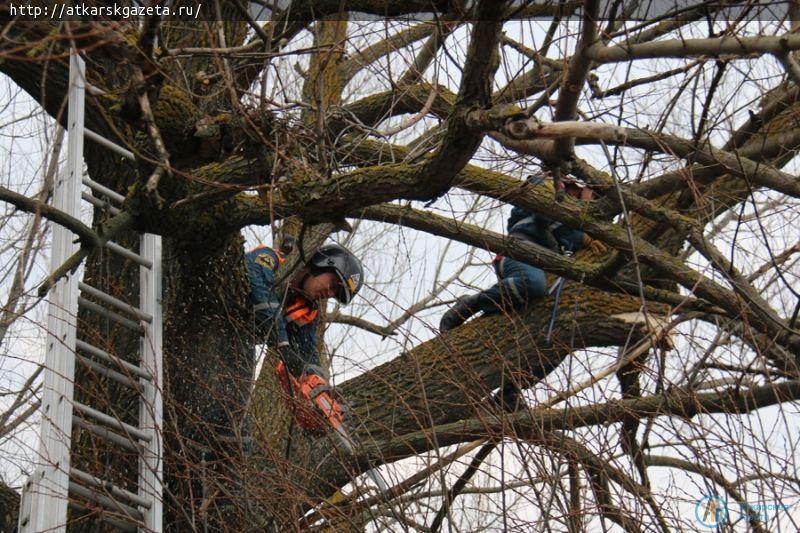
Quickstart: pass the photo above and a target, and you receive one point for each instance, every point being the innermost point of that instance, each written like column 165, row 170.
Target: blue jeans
column 520, row 285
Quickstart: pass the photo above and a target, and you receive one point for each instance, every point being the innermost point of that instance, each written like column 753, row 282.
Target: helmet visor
column 344, row 292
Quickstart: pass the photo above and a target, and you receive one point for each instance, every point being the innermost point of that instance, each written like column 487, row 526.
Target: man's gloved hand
column 594, row 245
column 315, row 389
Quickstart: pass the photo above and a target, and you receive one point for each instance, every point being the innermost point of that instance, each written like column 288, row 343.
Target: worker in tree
column 519, row 283
column 286, row 319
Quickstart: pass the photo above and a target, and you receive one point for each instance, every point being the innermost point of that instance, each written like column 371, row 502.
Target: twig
column 428, row 53
column 460, row 484
column 716, row 477
column 404, row 485
column 155, row 135
column 105, row 233
column 412, row 120
column 613, row 91
column 658, row 333
column 23, row 395
column 774, row 262
column 253, row 24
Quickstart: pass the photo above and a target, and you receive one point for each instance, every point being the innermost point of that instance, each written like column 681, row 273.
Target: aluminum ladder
column 47, row 492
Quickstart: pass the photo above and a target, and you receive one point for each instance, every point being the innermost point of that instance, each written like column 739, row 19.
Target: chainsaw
column 315, row 409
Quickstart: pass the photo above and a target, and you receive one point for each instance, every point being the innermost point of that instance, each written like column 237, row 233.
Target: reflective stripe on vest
column 300, row 312
column 267, row 305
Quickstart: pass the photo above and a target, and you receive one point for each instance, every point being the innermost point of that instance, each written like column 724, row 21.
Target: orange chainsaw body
column 311, row 400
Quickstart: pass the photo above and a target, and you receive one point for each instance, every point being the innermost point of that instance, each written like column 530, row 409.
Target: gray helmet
column 338, row 259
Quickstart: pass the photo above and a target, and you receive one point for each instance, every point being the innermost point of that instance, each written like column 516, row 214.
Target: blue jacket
column 283, row 319
column 535, row 228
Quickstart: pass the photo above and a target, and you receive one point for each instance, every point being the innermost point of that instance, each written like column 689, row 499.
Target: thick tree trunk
column 9, row 508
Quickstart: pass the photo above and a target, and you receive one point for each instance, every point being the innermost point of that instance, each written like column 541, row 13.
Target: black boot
column 458, row 314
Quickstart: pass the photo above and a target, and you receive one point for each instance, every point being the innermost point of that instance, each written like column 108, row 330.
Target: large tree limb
column 447, row 378
column 518, row 133
column 367, row 186
column 715, row 47
column 681, row 403
column 371, row 110
column 459, row 142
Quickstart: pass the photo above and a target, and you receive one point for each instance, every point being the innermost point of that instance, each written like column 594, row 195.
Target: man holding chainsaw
column 519, row 283
column 286, row 319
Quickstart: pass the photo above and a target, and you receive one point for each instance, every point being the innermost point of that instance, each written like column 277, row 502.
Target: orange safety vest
column 300, row 311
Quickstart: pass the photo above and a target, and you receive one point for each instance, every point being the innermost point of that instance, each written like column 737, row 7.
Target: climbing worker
column 286, row 320
column 520, row 283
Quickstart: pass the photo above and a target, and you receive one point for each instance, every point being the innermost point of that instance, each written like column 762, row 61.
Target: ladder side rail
column 50, row 486
column 151, row 408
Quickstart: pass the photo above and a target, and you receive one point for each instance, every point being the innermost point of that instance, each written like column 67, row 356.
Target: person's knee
column 522, row 292
column 533, row 284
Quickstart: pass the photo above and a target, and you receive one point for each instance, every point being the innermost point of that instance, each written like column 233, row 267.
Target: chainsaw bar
column 348, row 444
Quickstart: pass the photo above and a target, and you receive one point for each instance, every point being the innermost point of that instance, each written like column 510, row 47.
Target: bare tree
column 23, row 237
column 672, row 372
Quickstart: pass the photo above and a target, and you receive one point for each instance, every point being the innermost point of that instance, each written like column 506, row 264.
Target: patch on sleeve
column 266, row 260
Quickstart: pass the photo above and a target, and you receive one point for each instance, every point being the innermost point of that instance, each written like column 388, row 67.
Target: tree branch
column 516, row 134
column 714, row 476
column 361, row 58
column 85, row 234
column 682, row 48
column 105, row 233
column 575, row 77
column 682, row 403
column 459, row 143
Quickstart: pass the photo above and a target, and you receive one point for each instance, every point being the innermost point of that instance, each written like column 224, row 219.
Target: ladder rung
column 102, row 189
column 111, row 315
column 104, row 501
column 105, row 433
column 116, row 302
column 113, row 422
column 126, row 527
column 97, row 202
column 114, row 147
column 109, row 487
column 107, row 357
column 111, row 374
column 133, row 256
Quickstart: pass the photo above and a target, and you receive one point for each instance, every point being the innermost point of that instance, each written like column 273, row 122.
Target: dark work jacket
column 534, row 228
column 289, row 324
